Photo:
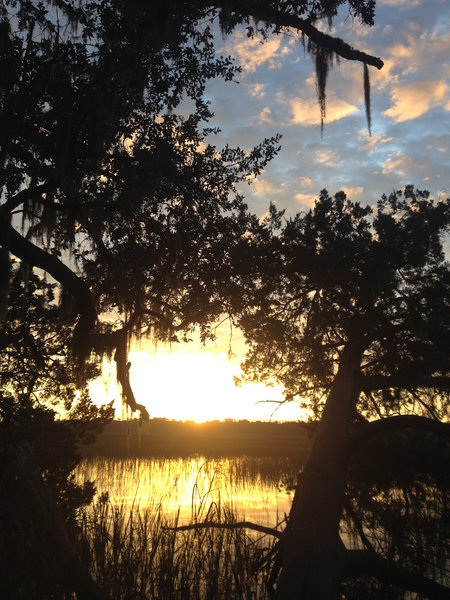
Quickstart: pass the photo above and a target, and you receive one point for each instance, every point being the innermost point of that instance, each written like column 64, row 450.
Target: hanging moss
column 367, row 99
column 323, row 61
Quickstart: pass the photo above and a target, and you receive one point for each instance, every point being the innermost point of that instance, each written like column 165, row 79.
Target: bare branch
column 237, row 525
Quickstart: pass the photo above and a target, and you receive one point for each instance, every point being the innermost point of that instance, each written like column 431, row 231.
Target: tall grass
column 253, row 486
column 135, row 554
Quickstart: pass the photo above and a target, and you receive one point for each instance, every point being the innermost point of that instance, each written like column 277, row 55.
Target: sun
column 189, row 382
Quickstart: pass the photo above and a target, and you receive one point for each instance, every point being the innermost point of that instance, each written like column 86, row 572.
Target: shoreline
column 168, row 439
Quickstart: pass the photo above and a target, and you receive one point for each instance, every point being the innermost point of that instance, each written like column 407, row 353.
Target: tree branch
column 371, row 383
column 34, row 192
column 36, row 257
column 365, row 562
column 123, row 375
column 237, row 525
column 117, row 340
column 261, row 10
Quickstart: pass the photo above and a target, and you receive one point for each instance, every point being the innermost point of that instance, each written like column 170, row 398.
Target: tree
column 348, row 308
column 82, row 119
column 119, row 200
column 99, row 167
column 36, row 374
column 125, row 206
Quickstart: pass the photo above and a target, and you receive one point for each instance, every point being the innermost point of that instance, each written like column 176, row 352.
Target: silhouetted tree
column 36, row 374
column 115, row 196
column 348, row 307
column 96, row 164
column 126, row 207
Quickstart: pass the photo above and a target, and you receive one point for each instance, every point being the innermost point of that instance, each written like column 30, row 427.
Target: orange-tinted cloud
column 415, row 99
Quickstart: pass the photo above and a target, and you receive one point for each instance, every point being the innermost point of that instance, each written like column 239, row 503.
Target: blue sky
column 410, row 109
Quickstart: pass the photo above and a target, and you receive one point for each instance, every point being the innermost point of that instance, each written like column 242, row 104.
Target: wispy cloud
column 265, row 116
column 353, row 193
column 306, row 112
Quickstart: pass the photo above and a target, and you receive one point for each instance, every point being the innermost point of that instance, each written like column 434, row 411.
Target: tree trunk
column 71, row 572
column 310, row 561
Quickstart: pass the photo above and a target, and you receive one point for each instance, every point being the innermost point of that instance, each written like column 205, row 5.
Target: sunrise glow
column 187, row 382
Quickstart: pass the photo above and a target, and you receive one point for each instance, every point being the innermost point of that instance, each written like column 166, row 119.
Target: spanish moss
column 367, row 99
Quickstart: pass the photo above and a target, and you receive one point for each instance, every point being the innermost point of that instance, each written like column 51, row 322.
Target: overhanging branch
column 116, row 341
column 36, row 257
column 261, row 10
column 237, row 525
column 83, row 338
column 371, row 383
column 123, row 375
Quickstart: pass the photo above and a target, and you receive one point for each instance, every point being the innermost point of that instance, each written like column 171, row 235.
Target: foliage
column 110, row 186
column 340, row 272
column 348, row 308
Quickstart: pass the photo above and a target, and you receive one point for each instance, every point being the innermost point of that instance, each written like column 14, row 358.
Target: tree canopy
column 118, row 197
column 112, row 189
column 114, row 209
column 348, row 307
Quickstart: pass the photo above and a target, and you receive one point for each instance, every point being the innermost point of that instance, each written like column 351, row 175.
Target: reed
column 134, row 553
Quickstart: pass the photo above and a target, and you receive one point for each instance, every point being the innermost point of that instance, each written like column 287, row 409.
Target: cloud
column 257, row 90
column 400, row 3
column 265, row 116
column 328, row 158
column 397, row 163
column 252, row 53
column 306, row 200
column 415, row 99
column 306, row 182
column 354, row 193
column 264, row 187
column 305, row 112
column 374, row 141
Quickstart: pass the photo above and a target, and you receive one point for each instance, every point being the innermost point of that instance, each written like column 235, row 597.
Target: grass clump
column 137, row 554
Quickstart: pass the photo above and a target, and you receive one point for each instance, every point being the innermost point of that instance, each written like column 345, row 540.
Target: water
column 255, row 488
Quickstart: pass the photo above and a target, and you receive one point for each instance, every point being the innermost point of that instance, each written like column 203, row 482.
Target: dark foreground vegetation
column 119, row 218
column 170, row 438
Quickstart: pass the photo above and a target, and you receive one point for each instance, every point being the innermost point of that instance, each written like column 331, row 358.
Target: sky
column 410, row 109
column 276, row 93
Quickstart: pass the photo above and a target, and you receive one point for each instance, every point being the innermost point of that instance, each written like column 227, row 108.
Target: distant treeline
column 169, row 438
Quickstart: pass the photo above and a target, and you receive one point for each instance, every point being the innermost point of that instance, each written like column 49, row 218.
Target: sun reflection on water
column 251, row 487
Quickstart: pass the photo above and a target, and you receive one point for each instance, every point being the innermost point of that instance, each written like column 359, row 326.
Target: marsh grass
column 253, row 487
column 135, row 554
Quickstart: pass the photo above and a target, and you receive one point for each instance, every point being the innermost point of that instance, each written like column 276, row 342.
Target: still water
column 256, row 489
